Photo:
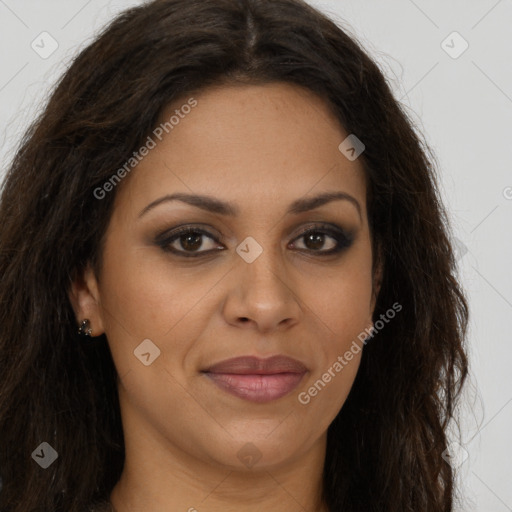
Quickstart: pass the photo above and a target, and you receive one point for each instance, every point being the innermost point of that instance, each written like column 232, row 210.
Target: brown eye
column 191, row 241
column 186, row 242
column 315, row 240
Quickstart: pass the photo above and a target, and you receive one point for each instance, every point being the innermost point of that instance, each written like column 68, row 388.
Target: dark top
column 103, row 506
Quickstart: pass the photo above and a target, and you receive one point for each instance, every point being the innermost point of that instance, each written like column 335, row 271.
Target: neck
column 170, row 480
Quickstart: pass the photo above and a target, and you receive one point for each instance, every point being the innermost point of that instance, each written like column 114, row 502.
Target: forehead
column 254, row 145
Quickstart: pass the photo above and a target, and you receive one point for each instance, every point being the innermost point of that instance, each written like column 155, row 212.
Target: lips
column 255, row 379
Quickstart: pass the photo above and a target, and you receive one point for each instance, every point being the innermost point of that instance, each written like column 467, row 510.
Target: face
column 232, row 339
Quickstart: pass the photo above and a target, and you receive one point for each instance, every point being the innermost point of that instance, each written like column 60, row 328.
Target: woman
column 226, row 201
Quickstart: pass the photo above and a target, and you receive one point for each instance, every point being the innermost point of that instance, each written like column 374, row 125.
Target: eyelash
column 342, row 239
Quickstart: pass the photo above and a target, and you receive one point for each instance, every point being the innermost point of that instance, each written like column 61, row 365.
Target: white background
column 462, row 105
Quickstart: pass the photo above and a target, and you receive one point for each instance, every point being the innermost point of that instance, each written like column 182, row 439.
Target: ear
column 85, row 299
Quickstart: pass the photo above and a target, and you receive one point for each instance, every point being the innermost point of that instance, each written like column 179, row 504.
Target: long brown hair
column 385, row 447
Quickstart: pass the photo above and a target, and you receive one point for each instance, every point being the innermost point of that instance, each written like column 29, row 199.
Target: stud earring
column 85, row 328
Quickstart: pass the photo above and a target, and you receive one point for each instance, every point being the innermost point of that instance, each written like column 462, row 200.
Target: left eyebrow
column 310, row 203
column 215, row 205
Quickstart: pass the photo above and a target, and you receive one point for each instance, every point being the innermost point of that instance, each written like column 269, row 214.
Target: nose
column 261, row 295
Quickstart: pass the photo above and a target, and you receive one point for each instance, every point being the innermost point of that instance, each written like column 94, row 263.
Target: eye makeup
column 187, row 241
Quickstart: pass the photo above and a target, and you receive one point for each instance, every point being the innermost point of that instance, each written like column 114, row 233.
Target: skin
column 261, row 148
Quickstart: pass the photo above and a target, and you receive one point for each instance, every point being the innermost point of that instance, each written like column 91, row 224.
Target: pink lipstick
column 255, row 379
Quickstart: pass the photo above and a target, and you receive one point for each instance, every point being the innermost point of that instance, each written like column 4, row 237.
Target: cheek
column 341, row 300
column 145, row 296
column 342, row 304
column 343, row 312
column 148, row 295
column 322, row 397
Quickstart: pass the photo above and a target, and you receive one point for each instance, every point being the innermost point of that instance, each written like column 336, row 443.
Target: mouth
column 255, row 379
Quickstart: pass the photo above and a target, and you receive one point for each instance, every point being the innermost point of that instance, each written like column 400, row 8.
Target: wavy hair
column 385, row 447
